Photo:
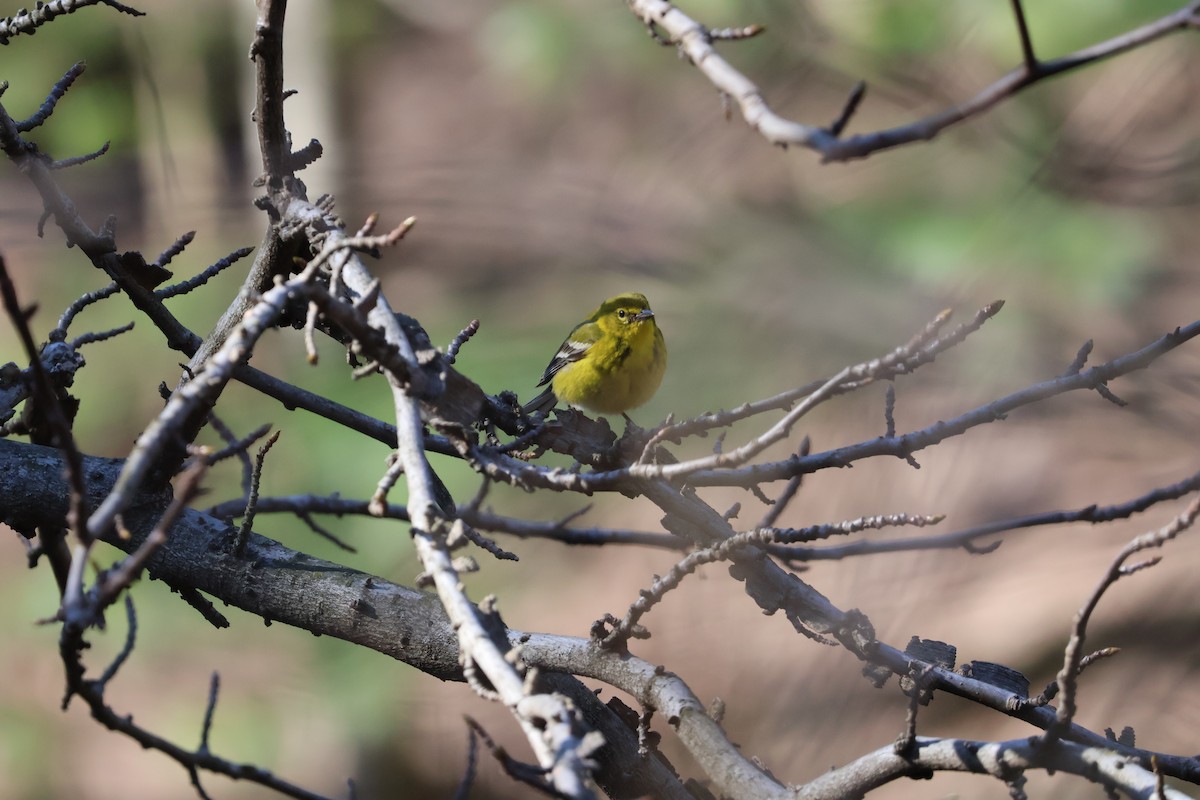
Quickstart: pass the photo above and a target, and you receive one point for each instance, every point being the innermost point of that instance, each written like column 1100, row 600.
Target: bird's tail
column 542, row 403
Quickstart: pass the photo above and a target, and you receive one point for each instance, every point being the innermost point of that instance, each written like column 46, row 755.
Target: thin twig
column 459, row 340
column 47, row 108
column 1068, row 676
column 464, row 785
column 92, row 338
column 243, row 534
column 1031, row 62
column 75, row 161
column 1092, row 514
column 68, row 316
column 204, row 276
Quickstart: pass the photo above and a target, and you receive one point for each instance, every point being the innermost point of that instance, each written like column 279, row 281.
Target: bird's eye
column 621, row 313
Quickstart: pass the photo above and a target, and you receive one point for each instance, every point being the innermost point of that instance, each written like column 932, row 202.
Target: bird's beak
column 645, row 313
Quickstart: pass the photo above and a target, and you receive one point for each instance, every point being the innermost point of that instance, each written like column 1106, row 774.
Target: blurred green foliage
column 101, row 106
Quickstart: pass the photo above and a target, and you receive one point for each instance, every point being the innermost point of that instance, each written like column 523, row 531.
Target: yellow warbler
column 611, row 362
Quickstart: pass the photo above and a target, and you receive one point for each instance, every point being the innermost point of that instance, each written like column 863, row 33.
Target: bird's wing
column 571, row 350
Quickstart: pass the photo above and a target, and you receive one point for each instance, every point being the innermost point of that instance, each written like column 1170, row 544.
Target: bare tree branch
column 695, row 42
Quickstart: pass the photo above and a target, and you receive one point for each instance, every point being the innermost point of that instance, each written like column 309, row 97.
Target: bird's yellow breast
column 619, row 373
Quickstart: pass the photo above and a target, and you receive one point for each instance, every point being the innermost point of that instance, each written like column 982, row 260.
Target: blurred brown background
column 554, row 155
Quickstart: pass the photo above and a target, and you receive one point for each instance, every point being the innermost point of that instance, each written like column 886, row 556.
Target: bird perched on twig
column 609, row 363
